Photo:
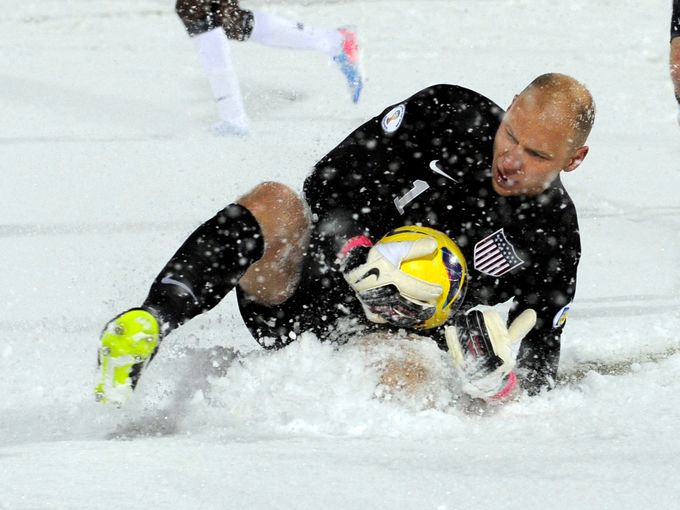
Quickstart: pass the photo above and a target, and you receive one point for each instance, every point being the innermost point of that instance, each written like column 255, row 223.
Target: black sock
column 206, row 267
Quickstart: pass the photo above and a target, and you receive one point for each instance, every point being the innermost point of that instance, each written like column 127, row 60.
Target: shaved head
column 563, row 99
column 542, row 134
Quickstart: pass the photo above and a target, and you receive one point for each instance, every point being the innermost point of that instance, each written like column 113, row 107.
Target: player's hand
column 388, row 294
column 481, row 347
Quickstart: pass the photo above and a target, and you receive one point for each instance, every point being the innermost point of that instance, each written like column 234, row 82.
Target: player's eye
column 537, row 155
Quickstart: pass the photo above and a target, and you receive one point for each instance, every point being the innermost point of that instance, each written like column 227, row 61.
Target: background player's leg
column 215, row 55
column 210, row 23
column 341, row 45
column 272, row 30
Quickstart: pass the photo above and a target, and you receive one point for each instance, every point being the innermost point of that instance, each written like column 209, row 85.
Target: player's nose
column 511, row 162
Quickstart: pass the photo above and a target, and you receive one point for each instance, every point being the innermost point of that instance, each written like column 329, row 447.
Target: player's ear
column 513, row 100
column 577, row 158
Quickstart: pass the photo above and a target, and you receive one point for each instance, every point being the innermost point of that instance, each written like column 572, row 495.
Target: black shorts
column 200, row 16
column 323, row 304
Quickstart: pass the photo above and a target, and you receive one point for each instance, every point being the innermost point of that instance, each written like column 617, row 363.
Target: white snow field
column 108, row 162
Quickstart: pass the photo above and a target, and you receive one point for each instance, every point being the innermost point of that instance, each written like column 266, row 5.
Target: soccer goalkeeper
column 447, row 159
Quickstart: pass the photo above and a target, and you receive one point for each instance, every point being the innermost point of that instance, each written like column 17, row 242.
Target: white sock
column 215, row 54
column 272, row 30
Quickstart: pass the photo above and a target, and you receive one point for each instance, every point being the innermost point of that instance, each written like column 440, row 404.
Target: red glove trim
column 507, row 389
column 355, row 242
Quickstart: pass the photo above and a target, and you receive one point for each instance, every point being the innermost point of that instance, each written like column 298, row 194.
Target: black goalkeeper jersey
column 427, row 160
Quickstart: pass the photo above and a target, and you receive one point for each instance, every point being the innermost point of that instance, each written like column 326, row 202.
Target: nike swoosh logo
column 435, row 168
column 171, row 281
column 371, row 272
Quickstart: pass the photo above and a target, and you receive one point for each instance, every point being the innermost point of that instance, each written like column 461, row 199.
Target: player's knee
column 274, row 202
column 282, row 214
column 284, row 221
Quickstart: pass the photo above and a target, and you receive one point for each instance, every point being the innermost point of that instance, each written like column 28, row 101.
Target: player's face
column 531, row 148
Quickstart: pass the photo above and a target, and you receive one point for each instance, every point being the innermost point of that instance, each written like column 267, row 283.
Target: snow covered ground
column 108, row 163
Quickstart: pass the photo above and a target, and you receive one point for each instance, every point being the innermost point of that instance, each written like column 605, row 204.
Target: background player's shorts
column 200, row 16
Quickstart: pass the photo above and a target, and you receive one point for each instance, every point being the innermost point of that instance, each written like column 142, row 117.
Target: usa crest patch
column 495, row 256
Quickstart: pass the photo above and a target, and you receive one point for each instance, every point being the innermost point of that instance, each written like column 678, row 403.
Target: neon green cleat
column 128, row 343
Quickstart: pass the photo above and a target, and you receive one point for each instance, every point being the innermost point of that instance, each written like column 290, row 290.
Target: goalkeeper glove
column 481, row 347
column 387, row 294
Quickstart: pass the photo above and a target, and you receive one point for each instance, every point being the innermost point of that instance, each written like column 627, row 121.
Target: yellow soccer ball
column 445, row 267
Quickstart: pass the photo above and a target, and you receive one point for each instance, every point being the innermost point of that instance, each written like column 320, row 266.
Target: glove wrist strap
column 507, row 389
column 355, row 242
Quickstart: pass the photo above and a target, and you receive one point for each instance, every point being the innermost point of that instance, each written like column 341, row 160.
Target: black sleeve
column 548, row 288
column 675, row 20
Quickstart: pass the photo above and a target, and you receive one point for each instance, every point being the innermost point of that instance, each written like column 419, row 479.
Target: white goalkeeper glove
column 388, row 294
column 481, row 347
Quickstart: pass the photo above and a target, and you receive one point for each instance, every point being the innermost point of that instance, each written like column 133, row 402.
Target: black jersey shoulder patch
column 392, row 120
column 561, row 316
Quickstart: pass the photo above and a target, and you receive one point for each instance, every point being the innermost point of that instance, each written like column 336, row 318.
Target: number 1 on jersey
column 418, row 188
